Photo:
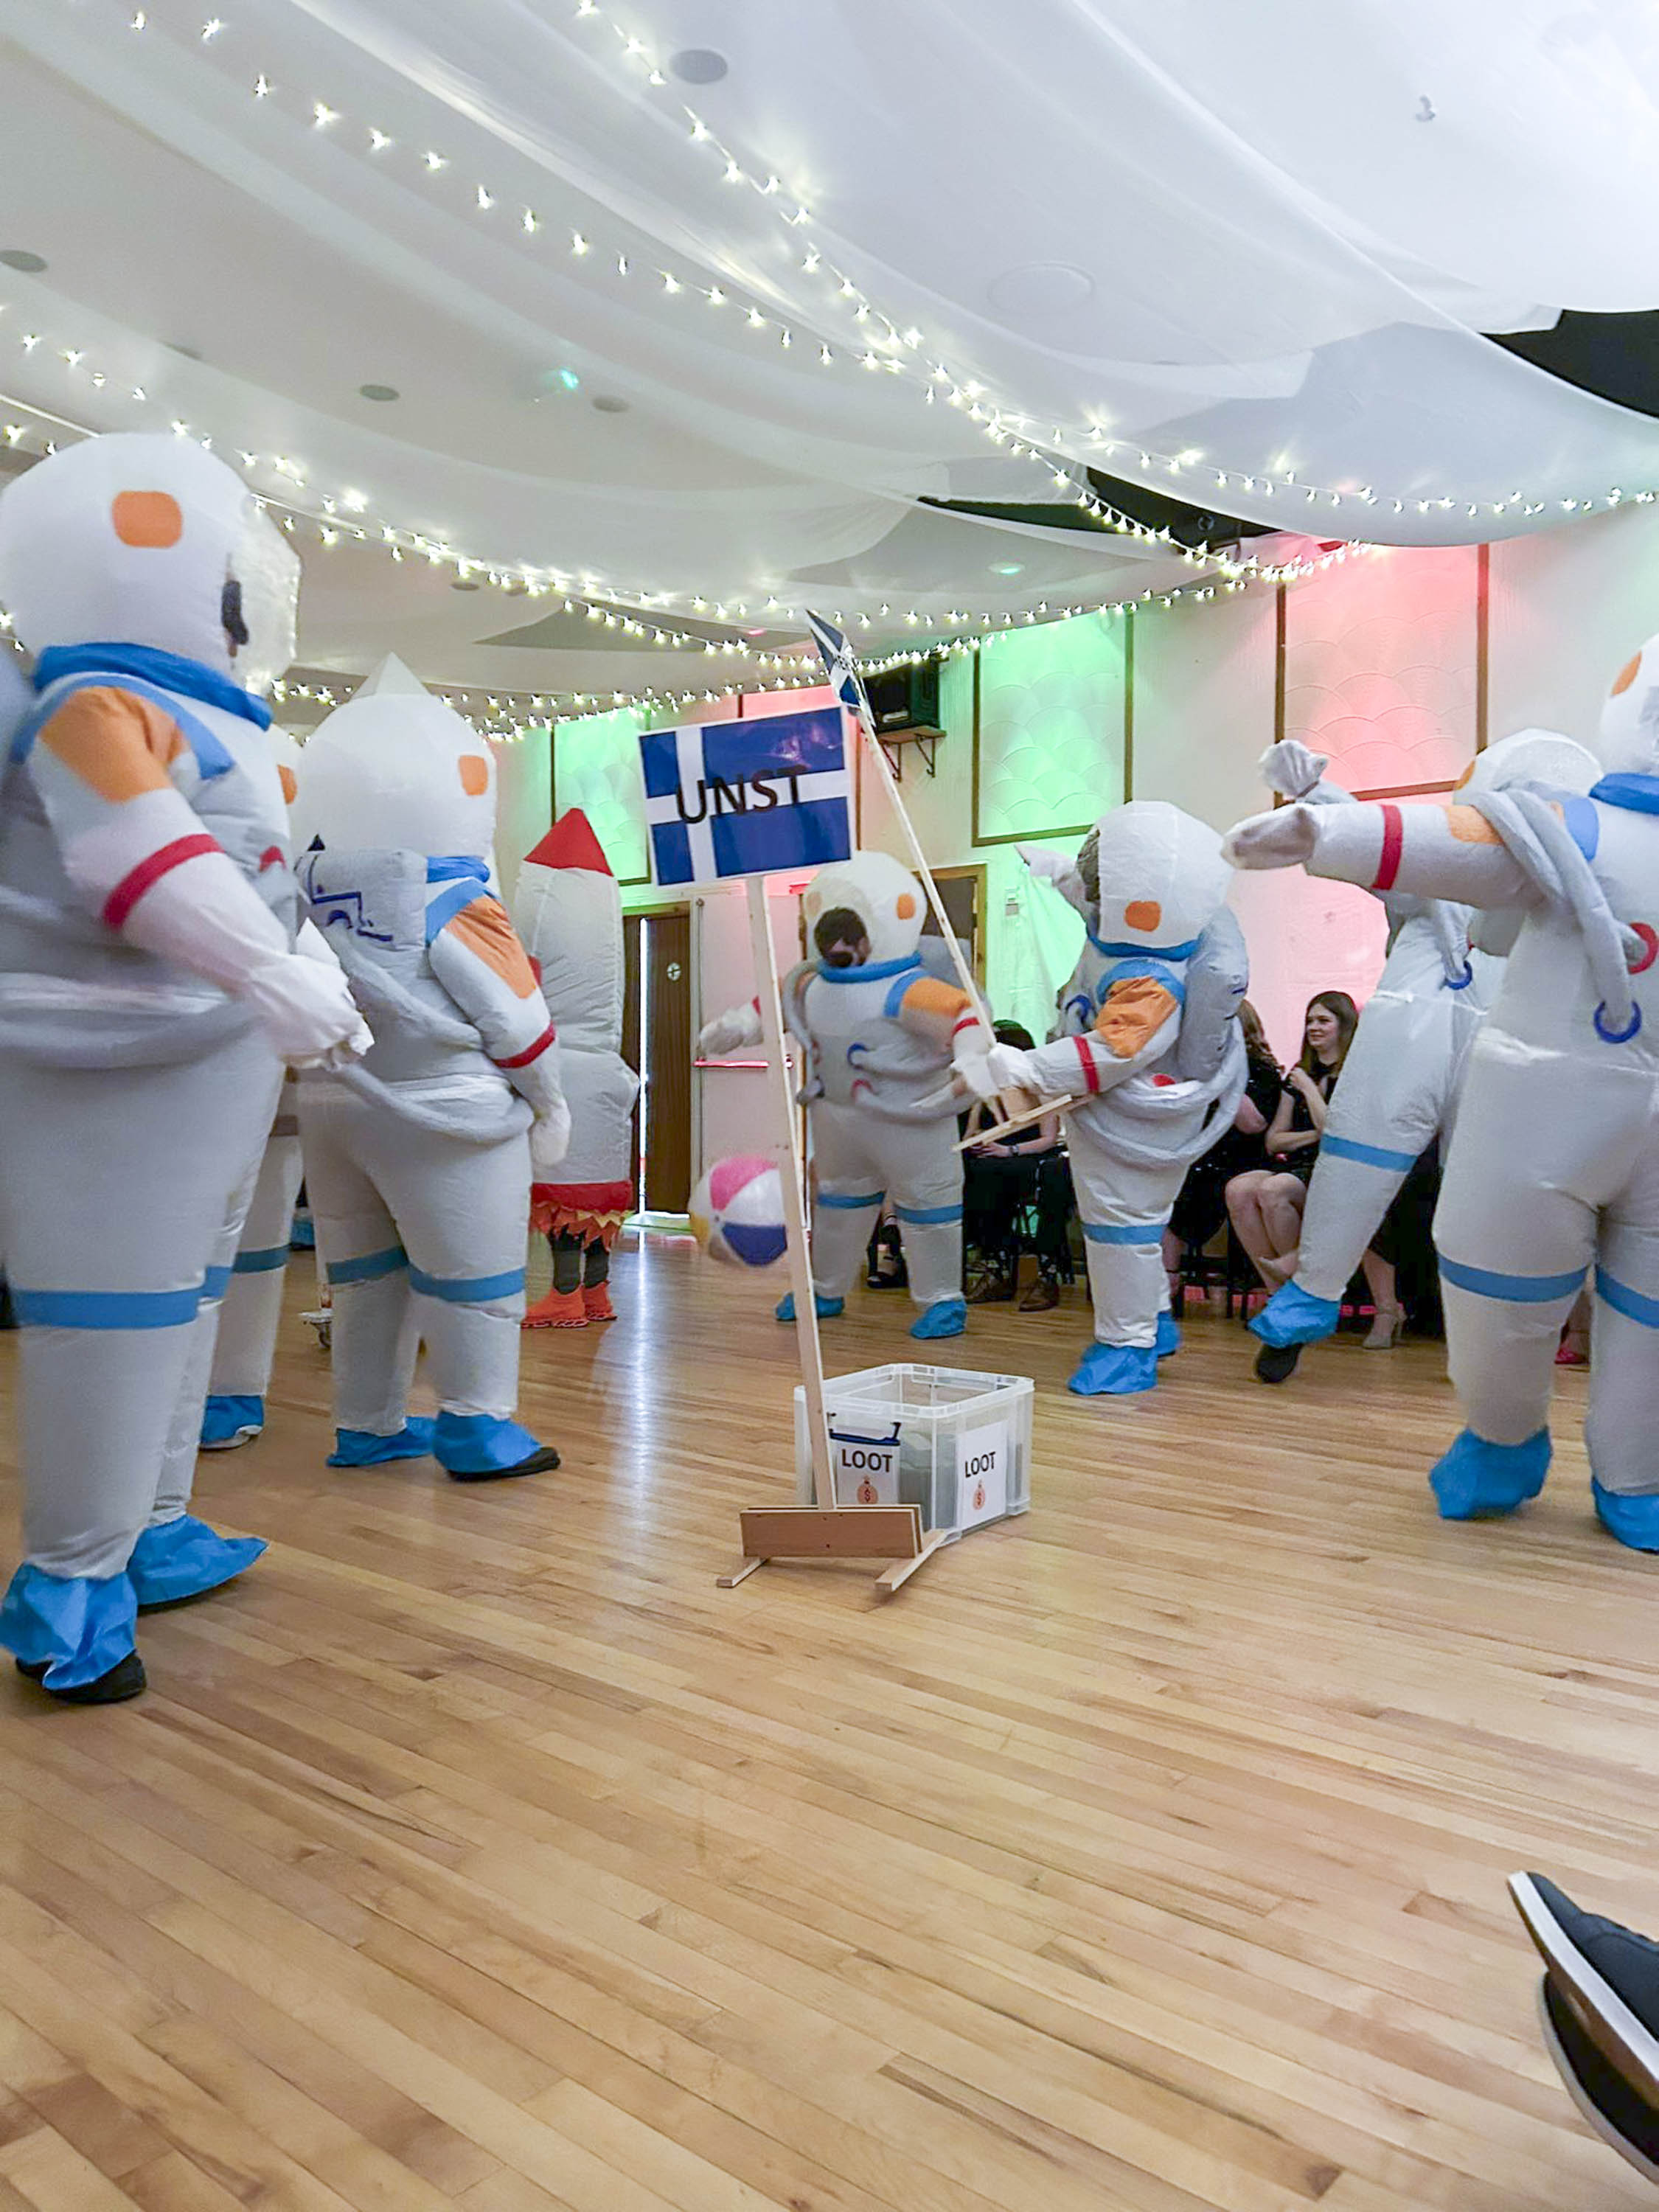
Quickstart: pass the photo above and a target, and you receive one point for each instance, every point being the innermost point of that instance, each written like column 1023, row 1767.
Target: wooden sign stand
column 825, row 1529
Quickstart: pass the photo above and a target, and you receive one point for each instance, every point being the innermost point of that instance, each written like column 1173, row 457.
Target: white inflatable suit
column 1554, row 1164
column 567, row 910
column 1405, row 1068
column 246, row 1348
column 418, row 1162
column 1152, row 1048
column 880, row 1031
column 148, row 993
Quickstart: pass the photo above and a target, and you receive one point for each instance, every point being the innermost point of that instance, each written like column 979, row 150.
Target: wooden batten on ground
column 1148, row 1856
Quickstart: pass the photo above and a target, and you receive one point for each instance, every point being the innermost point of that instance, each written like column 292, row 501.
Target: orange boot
column 558, row 1309
column 597, row 1302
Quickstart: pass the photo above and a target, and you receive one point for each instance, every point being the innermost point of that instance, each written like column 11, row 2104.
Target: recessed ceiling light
column 606, row 402
column 464, row 584
column 698, row 65
column 19, row 258
column 1007, row 568
column 379, row 391
column 569, row 378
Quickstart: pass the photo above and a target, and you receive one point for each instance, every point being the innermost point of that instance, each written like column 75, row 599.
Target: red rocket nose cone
column 570, row 843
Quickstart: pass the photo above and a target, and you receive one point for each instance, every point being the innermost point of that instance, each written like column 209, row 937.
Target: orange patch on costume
column 289, row 783
column 906, row 907
column 1471, row 827
column 483, row 928
column 1142, row 914
column 115, row 742
column 1626, row 677
column 927, row 995
column 475, row 774
column 1135, row 1010
column 152, row 519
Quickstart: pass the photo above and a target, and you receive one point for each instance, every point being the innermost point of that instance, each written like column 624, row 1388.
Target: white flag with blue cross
column 728, row 799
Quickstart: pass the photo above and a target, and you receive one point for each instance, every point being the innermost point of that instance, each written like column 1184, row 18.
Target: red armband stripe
column 968, row 1021
column 1090, row 1076
column 1394, row 845
column 150, row 871
column 549, row 1035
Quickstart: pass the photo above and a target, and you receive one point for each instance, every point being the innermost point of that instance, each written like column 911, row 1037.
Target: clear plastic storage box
column 957, row 1444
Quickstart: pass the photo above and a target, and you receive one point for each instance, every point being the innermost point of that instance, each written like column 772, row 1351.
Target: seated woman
column 1201, row 1208
column 1266, row 1203
column 997, row 1180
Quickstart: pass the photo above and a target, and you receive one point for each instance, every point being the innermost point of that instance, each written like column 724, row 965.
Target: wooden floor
column 1147, row 1853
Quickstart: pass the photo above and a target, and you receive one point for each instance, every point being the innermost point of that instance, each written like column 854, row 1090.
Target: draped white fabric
column 1253, row 243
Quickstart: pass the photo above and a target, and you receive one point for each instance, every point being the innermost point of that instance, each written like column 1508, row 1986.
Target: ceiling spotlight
column 698, row 65
column 569, row 380
column 1007, row 568
column 379, row 391
column 19, row 258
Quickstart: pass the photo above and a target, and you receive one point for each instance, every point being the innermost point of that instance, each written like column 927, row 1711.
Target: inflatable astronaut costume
column 880, row 1030
column 1554, row 1163
column 1150, row 1048
column 1405, row 1067
column 148, row 993
column 418, row 1162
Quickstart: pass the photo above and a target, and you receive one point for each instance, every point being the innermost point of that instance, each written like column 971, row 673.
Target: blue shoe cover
column 1293, row 1316
column 1476, row 1481
column 828, row 1307
column 478, row 1444
column 1115, row 1370
column 76, row 1627
column 227, row 1422
column 185, row 1558
column 944, row 1317
column 1168, row 1339
column 1633, row 1521
column 362, row 1448
column 302, row 1236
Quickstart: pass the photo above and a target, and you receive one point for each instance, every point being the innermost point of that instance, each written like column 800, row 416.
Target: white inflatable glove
column 1284, row 839
column 730, row 1032
column 1058, row 869
column 549, row 1141
column 971, row 1062
column 306, row 1011
column 1292, row 768
column 1009, row 1068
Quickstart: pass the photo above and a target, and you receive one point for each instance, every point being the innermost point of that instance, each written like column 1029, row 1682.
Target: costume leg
column 1124, row 1211
column 1622, row 1431
column 850, row 1191
column 375, row 1332
column 253, row 1308
column 924, row 1179
column 113, row 1190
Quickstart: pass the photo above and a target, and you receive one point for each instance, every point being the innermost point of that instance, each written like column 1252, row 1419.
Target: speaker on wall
column 905, row 698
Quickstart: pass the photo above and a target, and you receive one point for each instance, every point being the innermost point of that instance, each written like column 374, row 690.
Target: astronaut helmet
column 1153, row 876
column 135, row 539
column 1628, row 740
column 396, row 770
column 864, row 911
column 1531, row 756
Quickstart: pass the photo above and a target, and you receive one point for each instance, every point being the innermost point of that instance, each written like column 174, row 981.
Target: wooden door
column 656, row 1040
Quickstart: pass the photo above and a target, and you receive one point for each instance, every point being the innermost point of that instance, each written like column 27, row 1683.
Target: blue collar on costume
column 454, row 867
column 873, row 971
column 1116, row 951
column 172, row 671
column 1639, row 792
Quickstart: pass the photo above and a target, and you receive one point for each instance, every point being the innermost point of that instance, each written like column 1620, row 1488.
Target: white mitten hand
column 1292, row 768
column 1011, row 1068
column 549, row 1141
column 1284, row 839
column 971, row 1062
column 730, row 1032
column 306, row 1011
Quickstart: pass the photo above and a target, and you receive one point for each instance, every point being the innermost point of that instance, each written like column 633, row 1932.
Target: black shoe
column 125, row 1680
column 1617, row 2112
column 1276, row 1363
column 540, row 1462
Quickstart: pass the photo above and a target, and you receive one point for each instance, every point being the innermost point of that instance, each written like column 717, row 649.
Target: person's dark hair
column 1347, row 1020
column 1257, row 1050
column 1013, row 1033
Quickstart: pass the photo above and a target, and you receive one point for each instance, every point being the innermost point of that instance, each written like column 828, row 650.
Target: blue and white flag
column 841, row 665
column 725, row 800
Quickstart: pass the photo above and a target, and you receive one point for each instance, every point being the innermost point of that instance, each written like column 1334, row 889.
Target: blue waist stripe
column 1368, row 1155
column 926, row 1217
column 468, row 1289
column 370, row 1269
column 106, row 1309
column 841, row 1200
column 1515, row 1290
column 1624, row 1300
column 261, row 1263
column 1124, row 1232
column 215, row 1282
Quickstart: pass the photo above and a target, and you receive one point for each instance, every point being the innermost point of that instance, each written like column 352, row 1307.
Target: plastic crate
column 955, row 1442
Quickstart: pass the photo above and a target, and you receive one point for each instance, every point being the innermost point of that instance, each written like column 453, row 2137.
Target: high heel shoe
column 1387, row 1322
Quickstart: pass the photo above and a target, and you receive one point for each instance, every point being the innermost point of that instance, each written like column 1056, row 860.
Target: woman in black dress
column 1266, row 1203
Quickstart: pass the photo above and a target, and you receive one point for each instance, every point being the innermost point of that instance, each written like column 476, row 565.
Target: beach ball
column 737, row 1213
